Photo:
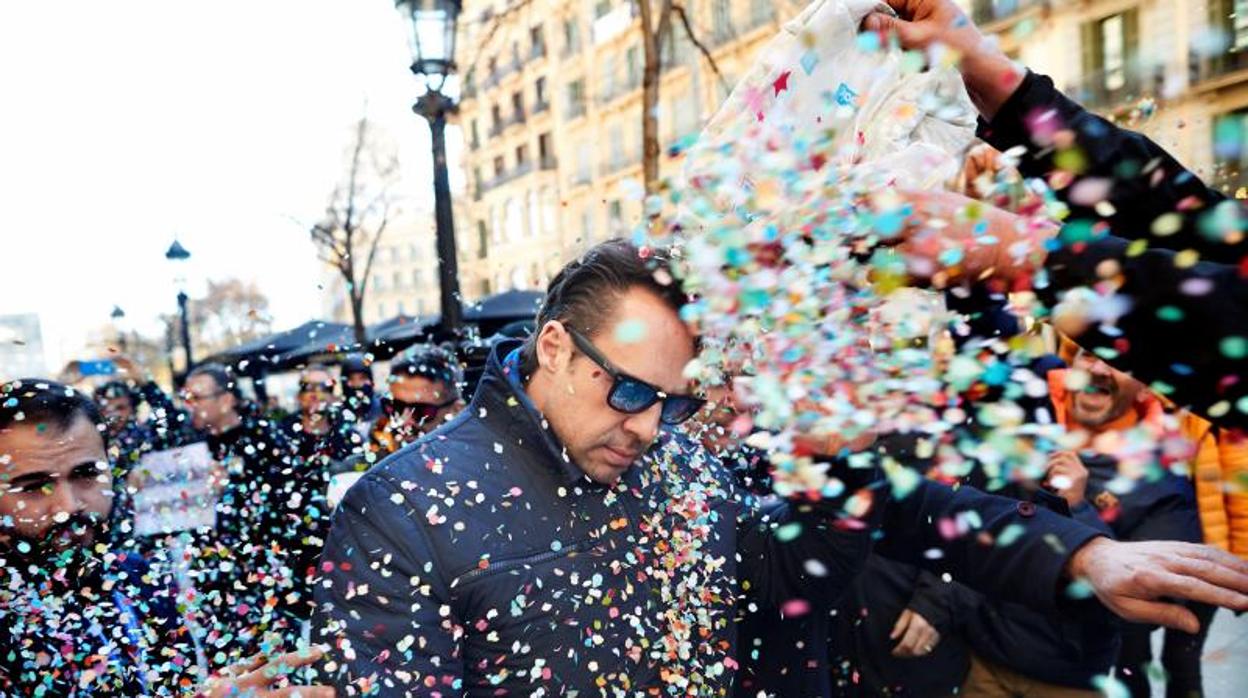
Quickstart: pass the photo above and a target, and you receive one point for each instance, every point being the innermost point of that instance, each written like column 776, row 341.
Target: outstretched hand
column 1132, row 579
column 264, row 677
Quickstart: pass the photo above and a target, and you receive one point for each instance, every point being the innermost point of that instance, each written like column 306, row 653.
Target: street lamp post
column 433, row 58
column 176, row 254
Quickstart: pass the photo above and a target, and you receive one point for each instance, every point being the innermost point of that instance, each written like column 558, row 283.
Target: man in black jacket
column 1161, row 239
column 553, row 537
column 270, row 517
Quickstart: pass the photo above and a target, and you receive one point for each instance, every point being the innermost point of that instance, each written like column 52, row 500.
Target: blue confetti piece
column 809, row 60
column 845, row 95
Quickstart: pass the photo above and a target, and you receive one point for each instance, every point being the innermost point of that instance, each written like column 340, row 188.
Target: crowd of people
column 589, row 520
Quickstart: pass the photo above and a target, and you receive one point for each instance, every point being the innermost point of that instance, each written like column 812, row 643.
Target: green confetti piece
column 1009, row 535
column 1170, row 313
column 630, row 332
column 1234, row 347
column 788, row 532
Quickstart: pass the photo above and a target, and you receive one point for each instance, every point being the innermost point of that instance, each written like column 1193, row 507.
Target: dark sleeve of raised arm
column 1007, row 549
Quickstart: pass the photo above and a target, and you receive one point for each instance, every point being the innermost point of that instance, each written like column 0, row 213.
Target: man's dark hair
column 223, row 377
column 355, row 363
column 584, row 293
column 432, row 362
column 114, row 389
column 40, row 402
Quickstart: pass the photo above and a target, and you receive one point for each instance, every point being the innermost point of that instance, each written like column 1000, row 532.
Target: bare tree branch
column 706, row 53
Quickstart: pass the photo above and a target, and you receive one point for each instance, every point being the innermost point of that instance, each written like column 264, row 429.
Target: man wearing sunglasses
column 422, row 393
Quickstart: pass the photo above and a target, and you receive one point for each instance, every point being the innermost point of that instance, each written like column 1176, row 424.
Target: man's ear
column 554, row 347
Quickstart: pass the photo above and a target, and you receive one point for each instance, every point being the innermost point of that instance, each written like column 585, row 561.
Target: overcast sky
column 127, row 123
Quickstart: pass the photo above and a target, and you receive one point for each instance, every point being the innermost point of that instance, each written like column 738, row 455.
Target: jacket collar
column 502, row 404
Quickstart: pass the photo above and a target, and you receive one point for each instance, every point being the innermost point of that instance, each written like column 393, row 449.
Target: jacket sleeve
column 381, row 606
column 802, row 550
column 1001, row 547
column 1145, row 181
column 1180, row 329
column 1233, row 452
column 934, row 599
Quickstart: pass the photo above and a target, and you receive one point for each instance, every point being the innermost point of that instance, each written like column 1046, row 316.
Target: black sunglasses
column 420, row 410
column 632, row 395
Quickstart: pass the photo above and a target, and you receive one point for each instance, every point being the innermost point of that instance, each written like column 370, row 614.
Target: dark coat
column 480, row 559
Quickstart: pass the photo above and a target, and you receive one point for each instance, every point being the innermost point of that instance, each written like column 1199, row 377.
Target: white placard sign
column 176, row 490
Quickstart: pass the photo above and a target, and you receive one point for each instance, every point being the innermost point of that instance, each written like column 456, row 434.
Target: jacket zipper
column 522, row 562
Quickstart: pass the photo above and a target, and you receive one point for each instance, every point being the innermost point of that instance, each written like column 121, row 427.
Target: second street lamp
column 433, row 58
column 177, row 254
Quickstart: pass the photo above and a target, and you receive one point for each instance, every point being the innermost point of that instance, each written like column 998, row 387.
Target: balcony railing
column 496, row 129
column 517, row 117
column 579, row 178
column 548, row 162
column 1231, row 61
column 541, row 106
column 537, row 51
column 575, row 110
column 617, row 90
column 989, row 11
column 1093, row 90
column 516, row 172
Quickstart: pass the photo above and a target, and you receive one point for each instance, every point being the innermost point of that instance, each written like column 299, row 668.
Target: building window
column 398, row 280
column 532, row 208
column 571, row 36
column 420, row 306
column 721, row 19
column 632, row 66
column 496, row 119
column 587, row 225
column 522, row 155
column 615, row 217
column 483, row 241
column 476, row 135
column 584, row 162
column 1239, row 26
column 602, row 8
column 513, row 220
column 381, row 311
column 377, row 284
column 517, row 106
column 537, row 42
column 485, row 287
column 1110, row 47
column 545, row 153
column 1230, row 148
column 539, row 93
column 417, row 278
column 616, row 144
column 576, row 98
column 499, row 166
column 400, row 309
column 517, row 278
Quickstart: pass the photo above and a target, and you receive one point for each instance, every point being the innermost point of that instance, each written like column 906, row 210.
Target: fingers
column 300, row 692
column 1205, row 581
column 266, row 673
column 1157, row 613
column 1234, row 563
column 899, row 627
column 1160, row 583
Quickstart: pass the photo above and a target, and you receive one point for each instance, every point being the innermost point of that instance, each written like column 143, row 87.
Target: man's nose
column 65, row 498
column 645, row 425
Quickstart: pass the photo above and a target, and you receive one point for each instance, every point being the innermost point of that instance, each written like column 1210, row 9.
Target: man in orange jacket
column 1143, row 502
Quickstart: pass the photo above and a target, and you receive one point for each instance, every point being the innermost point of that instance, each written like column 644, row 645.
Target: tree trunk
column 652, row 37
column 357, row 317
